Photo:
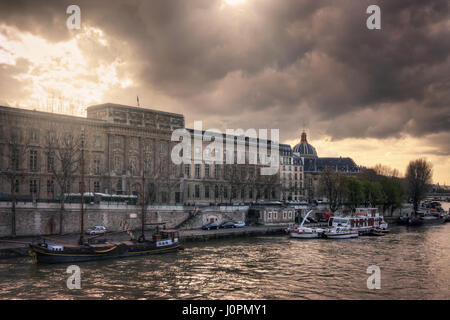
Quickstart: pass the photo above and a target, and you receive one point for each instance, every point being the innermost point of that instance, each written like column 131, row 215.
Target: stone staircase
column 187, row 220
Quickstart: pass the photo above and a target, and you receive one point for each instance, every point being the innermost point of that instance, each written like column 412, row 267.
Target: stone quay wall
column 44, row 219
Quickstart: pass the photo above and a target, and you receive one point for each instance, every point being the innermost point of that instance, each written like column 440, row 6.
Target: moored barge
column 163, row 242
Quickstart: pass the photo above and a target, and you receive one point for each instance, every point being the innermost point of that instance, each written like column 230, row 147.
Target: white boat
column 366, row 219
column 307, row 233
column 304, row 232
column 340, row 233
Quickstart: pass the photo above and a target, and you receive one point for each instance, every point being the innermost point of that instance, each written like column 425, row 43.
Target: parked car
column 227, row 224
column 96, row 230
column 239, row 224
column 211, row 225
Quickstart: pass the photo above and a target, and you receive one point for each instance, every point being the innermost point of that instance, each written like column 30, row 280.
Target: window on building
column 162, row 147
column 242, row 193
column 234, row 192
column 134, row 143
column 50, row 186
column 33, row 160
column 97, row 165
column 216, row 192
column 197, row 171
column 175, row 170
column 225, row 192
column 207, row 192
column 16, row 186
column 117, row 142
column 15, row 159
column 34, row 135
column 15, row 134
column 217, row 171
column 133, row 166
column 206, row 170
column 197, row 191
column 117, row 163
column 164, row 197
column 147, row 165
column 148, row 146
column 97, row 142
column 33, row 186
column 96, row 186
column 50, row 162
column 187, row 170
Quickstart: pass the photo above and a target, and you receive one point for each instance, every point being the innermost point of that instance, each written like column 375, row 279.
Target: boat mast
column 143, row 197
column 301, row 225
column 82, row 188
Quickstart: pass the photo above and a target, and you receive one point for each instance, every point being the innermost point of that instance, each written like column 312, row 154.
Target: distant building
column 291, row 174
column 271, row 213
column 313, row 165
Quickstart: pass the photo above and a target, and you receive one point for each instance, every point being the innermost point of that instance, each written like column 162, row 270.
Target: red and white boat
column 304, row 232
column 365, row 220
column 340, row 233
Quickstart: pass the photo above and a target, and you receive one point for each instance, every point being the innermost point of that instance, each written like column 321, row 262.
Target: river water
column 414, row 264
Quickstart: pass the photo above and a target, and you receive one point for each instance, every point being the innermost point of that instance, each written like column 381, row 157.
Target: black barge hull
column 43, row 255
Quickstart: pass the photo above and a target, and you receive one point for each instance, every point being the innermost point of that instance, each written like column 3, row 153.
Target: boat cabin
column 166, row 237
column 366, row 219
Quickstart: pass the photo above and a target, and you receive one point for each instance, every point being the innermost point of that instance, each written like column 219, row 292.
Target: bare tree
column 418, row 178
column 63, row 162
column 233, row 178
column 269, row 184
column 332, row 185
column 251, row 181
column 15, row 169
column 384, row 170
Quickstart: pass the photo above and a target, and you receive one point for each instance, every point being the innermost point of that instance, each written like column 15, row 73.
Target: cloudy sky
column 378, row 96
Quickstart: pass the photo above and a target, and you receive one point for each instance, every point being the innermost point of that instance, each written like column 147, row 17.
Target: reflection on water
column 414, row 265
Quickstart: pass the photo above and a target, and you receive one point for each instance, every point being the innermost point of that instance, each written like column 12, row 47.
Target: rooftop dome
column 304, row 149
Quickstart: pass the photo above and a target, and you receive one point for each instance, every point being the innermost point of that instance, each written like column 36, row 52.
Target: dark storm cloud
column 298, row 61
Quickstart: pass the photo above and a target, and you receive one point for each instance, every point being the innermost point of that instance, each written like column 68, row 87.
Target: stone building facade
column 118, row 142
column 291, row 174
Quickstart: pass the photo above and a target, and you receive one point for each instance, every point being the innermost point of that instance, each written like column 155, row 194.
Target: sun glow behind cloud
column 59, row 75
